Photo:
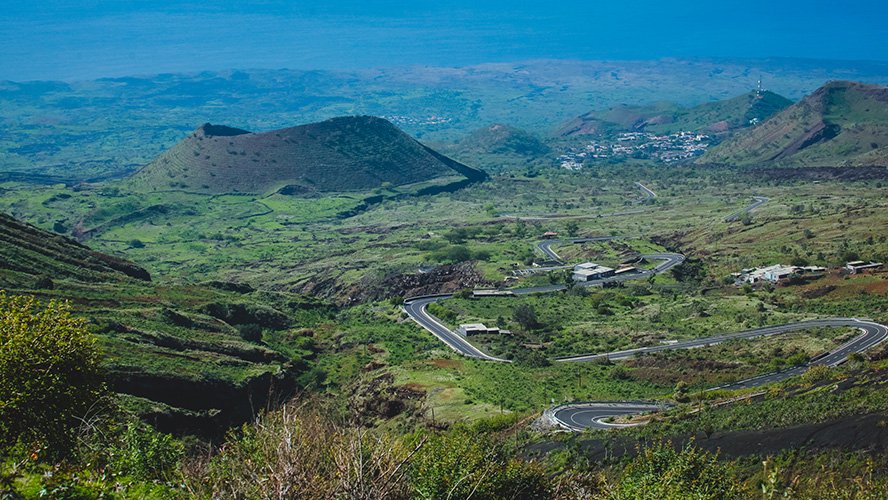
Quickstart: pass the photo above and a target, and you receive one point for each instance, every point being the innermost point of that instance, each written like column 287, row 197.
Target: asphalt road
column 590, row 415
column 417, row 308
column 650, row 194
column 760, row 200
column 580, row 417
column 873, row 334
column 545, row 247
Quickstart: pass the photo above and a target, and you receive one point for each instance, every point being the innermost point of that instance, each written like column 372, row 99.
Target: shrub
column 49, row 373
column 439, row 311
column 797, row 359
column 466, row 465
column 251, row 332
column 816, row 373
column 146, row 454
column 662, row 472
column 300, row 452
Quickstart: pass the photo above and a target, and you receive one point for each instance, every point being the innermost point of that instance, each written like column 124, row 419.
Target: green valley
column 246, row 296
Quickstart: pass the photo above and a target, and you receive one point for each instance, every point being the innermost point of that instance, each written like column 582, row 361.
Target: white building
column 859, row 265
column 475, row 329
column 773, row 273
column 591, row 271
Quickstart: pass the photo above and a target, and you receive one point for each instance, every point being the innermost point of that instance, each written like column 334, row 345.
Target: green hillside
column 842, row 123
column 502, row 139
column 499, row 146
column 337, row 155
column 28, row 253
column 665, row 117
column 186, row 357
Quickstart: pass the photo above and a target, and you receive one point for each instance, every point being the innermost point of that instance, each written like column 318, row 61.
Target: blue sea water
column 71, row 40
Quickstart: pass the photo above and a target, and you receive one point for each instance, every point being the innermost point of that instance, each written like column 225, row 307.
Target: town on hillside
column 665, row 148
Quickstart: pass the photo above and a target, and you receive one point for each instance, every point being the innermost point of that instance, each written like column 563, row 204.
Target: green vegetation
column 339, row 155
column 668, row 118
column 280, row 308
column 49, row 374
column 93, row 130
column 840, row 123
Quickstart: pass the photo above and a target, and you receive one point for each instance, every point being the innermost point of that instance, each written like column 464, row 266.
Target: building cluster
column 589, row 271
column 778, row 272
column 666, row 148
column 410, row 120
column 773, row 273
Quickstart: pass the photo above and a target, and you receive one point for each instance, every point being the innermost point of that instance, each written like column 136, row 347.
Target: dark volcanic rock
column 448, row 278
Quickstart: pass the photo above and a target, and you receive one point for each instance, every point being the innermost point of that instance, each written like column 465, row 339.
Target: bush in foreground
column 49, row 374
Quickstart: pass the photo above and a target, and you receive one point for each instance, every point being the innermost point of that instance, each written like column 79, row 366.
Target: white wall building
column 589, row 271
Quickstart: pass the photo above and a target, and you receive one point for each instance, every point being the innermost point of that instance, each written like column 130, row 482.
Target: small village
column 411, row 120
column 666, row 148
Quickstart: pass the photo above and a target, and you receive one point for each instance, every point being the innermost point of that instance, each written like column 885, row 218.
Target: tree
column 799, row 261
column 572, row 228
column 49, row 373
column 525, row 315
column 520, row 229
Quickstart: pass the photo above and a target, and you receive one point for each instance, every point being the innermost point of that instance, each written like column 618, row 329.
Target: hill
column 107, row 129
column 665, row 117
column 502, row 139
column 188, row 358
column 28, row 253
column 340, row 154
column 841, row 123
column 497, row 146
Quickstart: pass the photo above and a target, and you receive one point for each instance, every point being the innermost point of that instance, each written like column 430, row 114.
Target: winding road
column 417, row 307
column 650, row 194
column 760, row 200
column 581, row 416
column 545, row 247
column 873, row 334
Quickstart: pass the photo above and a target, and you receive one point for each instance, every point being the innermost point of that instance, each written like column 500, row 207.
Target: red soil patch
column 879, row 288
column 445, row 364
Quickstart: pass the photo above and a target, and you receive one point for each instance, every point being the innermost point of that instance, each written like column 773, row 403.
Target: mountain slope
column 340, row 154
column 498, row 147
column 841, row 123
column 28, row 252
column 502, row 139
column 665, row 117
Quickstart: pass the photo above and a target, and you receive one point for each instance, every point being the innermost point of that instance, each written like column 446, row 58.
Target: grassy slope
column 165, row 342
column 666, row 118
column 338, row 155
column 835, row 125
column 499, row 146
column 28, row 252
